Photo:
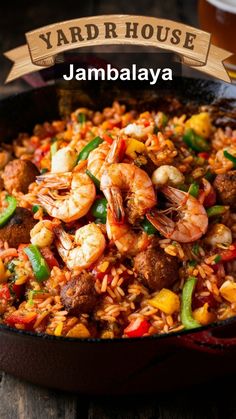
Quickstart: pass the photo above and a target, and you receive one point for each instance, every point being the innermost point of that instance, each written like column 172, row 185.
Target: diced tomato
column 21, row 252
column 18, row 290
column 27, row 319
column 49, row 257
column 100, row 276
column 210, row 199
column 5, row 292
column 199, row 301
column 107, row 138
column 137, row 328
column 146, row 123
column 122, row 149
column 204, row 155
column 34, row 141
column 229, row 254
column 40, row 153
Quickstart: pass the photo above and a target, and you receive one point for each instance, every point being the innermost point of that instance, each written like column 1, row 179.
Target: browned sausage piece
column 156, row 268
column 79, row 295
column 18, row 175
column 225, row 185
column 17, row 229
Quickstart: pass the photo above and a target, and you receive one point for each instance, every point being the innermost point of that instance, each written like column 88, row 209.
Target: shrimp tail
column 162, row 223
column 115, row 200
column 55, row 180
column 176, row 196
column 46, row 201
column 115, row 151
column 63, row 242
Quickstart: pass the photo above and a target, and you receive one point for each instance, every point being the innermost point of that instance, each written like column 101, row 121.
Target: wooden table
column 21, row 400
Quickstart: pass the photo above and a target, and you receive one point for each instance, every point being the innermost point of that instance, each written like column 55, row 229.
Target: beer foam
column 226, row 5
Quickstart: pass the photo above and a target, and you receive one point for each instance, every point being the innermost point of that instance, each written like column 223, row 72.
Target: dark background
column 23, row 400
column 18, row 17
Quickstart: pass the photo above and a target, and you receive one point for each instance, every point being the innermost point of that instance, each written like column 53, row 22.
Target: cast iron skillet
column 120, row 366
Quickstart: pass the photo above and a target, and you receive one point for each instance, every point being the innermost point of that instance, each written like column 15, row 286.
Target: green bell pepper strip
column 230, row 157
column 217, row 258
column 209, row 176
column 194, row 190
column 93, row 178
column 35, row 208
column 186, row 304
column 194, row 141
column 81, row 118
column 9, row 211
column 148, row 227
column 99, row 209
column 39, row 265
column 216, row 210
column 83, row 155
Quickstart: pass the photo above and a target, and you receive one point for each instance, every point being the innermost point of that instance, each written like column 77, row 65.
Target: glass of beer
column 219, row 18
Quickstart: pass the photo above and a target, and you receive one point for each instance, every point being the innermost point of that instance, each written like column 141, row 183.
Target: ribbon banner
column 191, row 44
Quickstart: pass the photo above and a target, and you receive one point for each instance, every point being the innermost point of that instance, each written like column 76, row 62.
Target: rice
column 122, row 293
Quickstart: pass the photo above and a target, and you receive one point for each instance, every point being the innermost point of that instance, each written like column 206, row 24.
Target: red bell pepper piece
column 27, row 319
column 5, row 292
column 210, row 199
column 122, row 149
column 21, row 251
column 18, row 290
column 49, row 257
column 229, row 254
column 137, row 328
column 204, row 155
column 107, row 138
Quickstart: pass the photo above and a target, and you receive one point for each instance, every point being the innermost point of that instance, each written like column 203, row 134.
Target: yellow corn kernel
column 79, row 331
column 203, row 316
column 21, row 280
column 103, row 267
column 58, row 330
column 107, row 334
column 200, row 123
column 145, row 115
column 228, row 291
column 134, row 147
column 3, row 273
column 166, row 300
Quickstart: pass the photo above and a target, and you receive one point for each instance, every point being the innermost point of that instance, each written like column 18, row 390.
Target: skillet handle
column 215, row 340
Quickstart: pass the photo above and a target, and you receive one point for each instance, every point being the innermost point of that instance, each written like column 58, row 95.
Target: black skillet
column 141, row 365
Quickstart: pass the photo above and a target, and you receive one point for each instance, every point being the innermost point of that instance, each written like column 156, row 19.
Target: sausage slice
column 79, row 295
column 156, row 268
column 17, row 229
column 18, row 175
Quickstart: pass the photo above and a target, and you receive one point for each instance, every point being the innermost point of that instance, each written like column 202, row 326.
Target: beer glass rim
column 226, row 5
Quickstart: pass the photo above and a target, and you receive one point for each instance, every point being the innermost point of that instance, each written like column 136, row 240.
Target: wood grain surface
column 21, row 400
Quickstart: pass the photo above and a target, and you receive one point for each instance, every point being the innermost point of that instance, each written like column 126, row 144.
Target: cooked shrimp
column 192, row 220
column 120, row 178
column 88, row 245
column 102, row 156
column 97, row 160
column 76, row 203
column 127, row 241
